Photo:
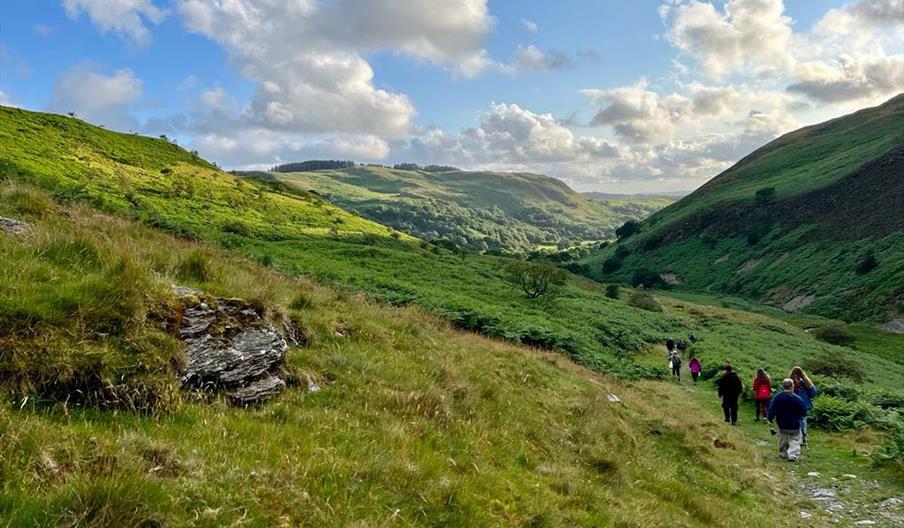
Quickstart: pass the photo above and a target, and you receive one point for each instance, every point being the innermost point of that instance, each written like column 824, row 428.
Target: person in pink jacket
column 694, row 367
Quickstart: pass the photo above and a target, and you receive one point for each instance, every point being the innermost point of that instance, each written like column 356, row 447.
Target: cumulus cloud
column 126, row 18
column 849, row 78
column 307, row 57
column 97, row 97
column 531, row 59
column 529, row 25
column 5, row 99
column 746, row 35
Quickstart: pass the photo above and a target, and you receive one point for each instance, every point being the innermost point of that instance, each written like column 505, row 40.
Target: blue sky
column 615, row 96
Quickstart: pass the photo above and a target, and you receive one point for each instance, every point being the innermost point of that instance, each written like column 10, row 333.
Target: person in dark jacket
column 730, row 389
column 806, row 391
column 789, row 410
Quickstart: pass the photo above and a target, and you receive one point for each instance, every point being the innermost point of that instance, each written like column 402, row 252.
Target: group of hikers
column 788, row 408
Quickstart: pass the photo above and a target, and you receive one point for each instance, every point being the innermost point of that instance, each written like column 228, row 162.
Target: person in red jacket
column 762, row 393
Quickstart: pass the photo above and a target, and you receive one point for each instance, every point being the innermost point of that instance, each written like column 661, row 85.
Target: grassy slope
column 380, row 350
column 470, row 289
column 690, row 238
column 515, row 211
column 417, row 424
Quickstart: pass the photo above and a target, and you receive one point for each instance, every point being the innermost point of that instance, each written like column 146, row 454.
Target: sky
column 615, row 96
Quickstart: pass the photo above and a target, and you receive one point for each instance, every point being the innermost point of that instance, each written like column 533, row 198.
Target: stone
column 824, row 493
column 813, row 474
column 891, row 502
column 230, row 348
column 805, row 515
column 11, row 226
column 865, row 522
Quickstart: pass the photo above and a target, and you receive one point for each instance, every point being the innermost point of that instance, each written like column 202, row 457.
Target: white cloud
column 746, row 35
column 531, row 59
column 529, row 25
column 97, row 97
column 189, row 82
column 308, row 58
column 42, row 30
column 124, row 17
column 850, row 78
column 5, row 99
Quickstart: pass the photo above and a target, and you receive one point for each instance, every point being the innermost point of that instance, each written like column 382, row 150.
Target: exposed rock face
column 797, row 303
column 14, row 227
column 230, row 348
column 896, row 326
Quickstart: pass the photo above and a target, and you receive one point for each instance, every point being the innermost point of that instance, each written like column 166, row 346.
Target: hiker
column 790, row 411
column 675, row 363
column 670, row 345
column 682, row 346
column 806, row 391
column 762, row 392
column 730, row 389
column 694, row 367
column 692, row 337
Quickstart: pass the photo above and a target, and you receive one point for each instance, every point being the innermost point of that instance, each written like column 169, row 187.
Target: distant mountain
column 812, row 221
column 669, row 196
column 487, row 211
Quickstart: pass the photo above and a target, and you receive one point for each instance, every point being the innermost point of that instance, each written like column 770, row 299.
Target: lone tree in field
column 535, row 278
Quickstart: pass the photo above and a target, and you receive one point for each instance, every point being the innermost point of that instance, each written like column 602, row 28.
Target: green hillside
column 486, row 211
column 416, row 421
column 813, row 221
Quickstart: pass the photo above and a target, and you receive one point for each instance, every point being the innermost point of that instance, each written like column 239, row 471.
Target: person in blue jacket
column 789, row 410
column 806, row 391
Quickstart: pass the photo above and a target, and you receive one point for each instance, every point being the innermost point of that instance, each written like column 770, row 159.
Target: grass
column 509, row 212
column 831, row 212
column 416, row 423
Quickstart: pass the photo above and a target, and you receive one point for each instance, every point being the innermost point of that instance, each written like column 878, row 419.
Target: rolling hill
column 410, row 418
column 812, row 221
column 485, row 211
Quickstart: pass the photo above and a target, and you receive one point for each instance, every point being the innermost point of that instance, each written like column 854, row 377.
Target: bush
column 535, row 278
column 236, row 227
column 835, row 365
column 612, row 291
column 611, row 265
column 842, row 391
column 888, row 400
column 834, row 335
column 836, row 414
column 644, row 301
column 621, row 252
column 891, row 454
column 646, row 278
column 627, row 229
column 868, row 264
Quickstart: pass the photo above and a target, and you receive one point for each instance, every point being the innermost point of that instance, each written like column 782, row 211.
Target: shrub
column 621, row 252
column 891, row 454
column 644, row 301
column 868, row 264
column 646, row 278
column 611, row 265
column 836, row 414
column 627, row 229
column 612, row 291
column 835, row 335
column 835, row 365
column 535, row 278
column 842, row 391
column 888, row 400
column 236, row 227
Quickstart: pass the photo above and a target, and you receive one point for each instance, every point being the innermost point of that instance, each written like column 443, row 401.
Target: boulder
column 14, row 227
column 230, row 348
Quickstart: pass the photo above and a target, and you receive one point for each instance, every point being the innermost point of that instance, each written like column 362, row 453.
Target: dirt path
column 834, row 480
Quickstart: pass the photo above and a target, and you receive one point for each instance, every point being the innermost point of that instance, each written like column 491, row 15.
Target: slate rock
column 11, row 226
column 230, row 348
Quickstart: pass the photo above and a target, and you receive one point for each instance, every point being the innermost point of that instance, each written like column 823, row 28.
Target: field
column 418, row 422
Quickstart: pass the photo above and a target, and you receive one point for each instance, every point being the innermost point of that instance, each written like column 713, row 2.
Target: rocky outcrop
column 798, row 303
column 230, row 347
column 14, row 227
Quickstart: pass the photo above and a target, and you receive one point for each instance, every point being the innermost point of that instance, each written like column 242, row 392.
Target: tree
column 535, row 278
column 627, row 229
column 868, row 264
column 646, row 278
column 612, row 291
